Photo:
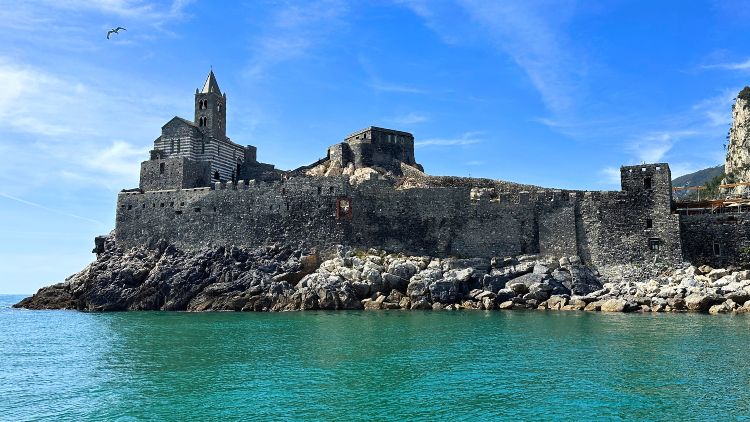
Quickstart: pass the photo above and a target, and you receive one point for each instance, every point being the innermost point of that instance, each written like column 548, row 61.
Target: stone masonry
column 384, row 200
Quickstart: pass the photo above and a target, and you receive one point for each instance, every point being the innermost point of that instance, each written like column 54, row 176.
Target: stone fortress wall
column 720, row 233
column 181, row 202
column 605, row 228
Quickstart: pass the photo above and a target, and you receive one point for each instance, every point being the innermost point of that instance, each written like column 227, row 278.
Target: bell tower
column 211, row 109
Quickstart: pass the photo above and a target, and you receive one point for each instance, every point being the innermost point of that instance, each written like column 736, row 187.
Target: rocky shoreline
column 284, row 278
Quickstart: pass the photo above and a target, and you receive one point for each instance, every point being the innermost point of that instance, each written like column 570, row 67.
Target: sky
column 552, row 93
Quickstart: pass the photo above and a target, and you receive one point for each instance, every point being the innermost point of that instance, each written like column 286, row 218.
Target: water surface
column 389, row 365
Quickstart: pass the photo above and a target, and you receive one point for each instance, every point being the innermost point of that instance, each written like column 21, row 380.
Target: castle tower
column 211, row 109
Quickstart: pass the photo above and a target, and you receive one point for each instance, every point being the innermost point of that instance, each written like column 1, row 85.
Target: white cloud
column 652, row 147
column 296, row 28
column 390, row 87
column 468, row 138
column 610, row 176
column 745, row 65
column 717, row 110
column 74, row 129
column 410, row 119
column 530, row 33
column 680, row 169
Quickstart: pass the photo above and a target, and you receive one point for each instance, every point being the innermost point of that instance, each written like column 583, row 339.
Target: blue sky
column 553, row 93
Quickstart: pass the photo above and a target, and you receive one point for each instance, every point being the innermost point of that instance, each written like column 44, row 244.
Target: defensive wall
column 604, row 228
column 716, row 239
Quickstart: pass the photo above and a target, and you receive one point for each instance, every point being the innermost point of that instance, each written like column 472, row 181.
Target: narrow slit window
column 162, row 166
column 647, row 183
column 649, row 223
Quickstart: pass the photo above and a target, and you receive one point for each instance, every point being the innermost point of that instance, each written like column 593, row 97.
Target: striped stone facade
column 204, row 139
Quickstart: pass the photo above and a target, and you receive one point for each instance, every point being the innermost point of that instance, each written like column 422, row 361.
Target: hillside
column 698, row 178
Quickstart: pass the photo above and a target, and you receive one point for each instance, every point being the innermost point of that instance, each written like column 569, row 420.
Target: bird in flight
column 115, row 31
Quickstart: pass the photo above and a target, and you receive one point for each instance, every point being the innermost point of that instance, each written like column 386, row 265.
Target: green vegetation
column 745, row 93
column 712, row 190
column 744, row 258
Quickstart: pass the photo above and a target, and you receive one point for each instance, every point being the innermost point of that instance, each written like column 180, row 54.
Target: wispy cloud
column 69, row 127
column 389, row 87
column 411, row 118
column 717, row 109
column 295, row 29
column 745, row 65
column 48, row 209
column 609, row 176
column 144, row 19
column 652, row 147
column 468, row 138
column 375, row 81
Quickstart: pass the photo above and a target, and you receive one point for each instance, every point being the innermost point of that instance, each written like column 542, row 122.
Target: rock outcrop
column 737, row 167
column 285, row 278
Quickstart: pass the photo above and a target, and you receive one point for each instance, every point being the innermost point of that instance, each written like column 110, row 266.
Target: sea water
column 374, row 365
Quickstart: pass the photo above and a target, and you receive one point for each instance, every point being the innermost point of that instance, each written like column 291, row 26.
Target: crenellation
column 351, row 197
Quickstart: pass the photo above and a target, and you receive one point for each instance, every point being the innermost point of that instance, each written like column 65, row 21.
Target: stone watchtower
column 211, row 109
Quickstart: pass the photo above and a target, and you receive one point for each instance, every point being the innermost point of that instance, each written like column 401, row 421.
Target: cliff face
column 738, row 151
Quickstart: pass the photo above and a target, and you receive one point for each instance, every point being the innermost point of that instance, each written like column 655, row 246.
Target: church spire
column 211, row 85
column 210, row 109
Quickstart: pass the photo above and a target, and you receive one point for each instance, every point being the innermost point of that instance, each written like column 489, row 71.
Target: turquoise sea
column 389, row 365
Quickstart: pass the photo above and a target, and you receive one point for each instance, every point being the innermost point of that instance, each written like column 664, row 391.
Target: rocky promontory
column 286, row 278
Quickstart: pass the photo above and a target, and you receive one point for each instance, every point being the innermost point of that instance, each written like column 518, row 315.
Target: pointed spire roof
column 211, row 85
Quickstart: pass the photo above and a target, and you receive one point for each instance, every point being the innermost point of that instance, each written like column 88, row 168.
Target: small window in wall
column 717, row 249
column 330, row 189
column 649, row 223
column 171, row 146
column 203, row 148
column 320, row 190
column 161, row 168
column 654, row 244
column 217, row 176
column 197, row 209
column 647, row 183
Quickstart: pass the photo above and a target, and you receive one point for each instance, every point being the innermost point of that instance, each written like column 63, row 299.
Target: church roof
column 181, row 120
column 211, row 85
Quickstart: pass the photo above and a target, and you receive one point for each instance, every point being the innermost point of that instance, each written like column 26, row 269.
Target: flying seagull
column 115, row 31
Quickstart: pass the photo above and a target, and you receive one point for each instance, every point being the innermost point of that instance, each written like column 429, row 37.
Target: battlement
column 198, row 187
column 375, row 146
column 379, row 134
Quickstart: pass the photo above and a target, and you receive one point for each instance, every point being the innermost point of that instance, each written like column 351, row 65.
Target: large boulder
column 699, row 303
column 613, row 305
column 446, row 290
column 583, row 281
column 493, row 283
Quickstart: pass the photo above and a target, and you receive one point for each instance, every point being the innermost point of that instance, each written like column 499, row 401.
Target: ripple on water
column 372, row 365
